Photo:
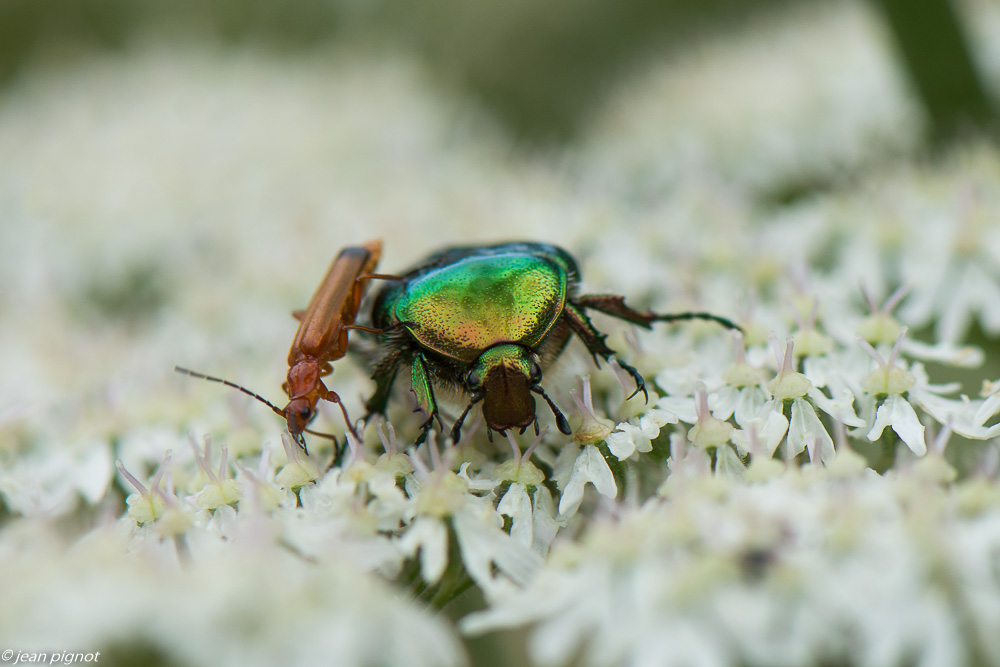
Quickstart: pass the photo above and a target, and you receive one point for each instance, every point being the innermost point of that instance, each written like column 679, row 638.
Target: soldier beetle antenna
column 211, row 378
column 278, row 411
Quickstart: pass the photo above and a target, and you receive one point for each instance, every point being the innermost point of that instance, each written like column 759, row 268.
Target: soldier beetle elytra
column 320, row 340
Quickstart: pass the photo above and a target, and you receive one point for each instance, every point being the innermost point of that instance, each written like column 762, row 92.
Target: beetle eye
column 535, row 373
column 305, row 414
column 472, row 381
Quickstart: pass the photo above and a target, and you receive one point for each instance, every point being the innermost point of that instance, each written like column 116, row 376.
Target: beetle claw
column 425, row 429
column 640, row 382
column 637, row 390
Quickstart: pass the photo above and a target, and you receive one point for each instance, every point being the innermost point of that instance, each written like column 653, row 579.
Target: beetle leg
column 595, row 340
column 379, row 276
column 584, row 328
column 299, row 314
column 359, row 327
column 334, row 397
column 384, row 375
column 422, row 389
column 614, row 305
column 456, row 430
column 561, row 422
column 372, row 330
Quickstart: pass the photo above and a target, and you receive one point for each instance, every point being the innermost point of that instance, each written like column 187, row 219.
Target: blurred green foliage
column 934, row 48
column 539, row 67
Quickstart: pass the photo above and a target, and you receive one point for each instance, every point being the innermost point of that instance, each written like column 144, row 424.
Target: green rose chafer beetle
column 487, row 320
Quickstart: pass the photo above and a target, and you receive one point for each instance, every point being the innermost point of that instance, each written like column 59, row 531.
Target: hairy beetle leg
column 424, row 392
column 398, row 326
column 614, row 305
column 379, row 276
column 384, row 375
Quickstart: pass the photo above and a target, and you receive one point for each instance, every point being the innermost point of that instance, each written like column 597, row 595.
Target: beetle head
column 298, row 413
column 503, row 378
column 301, row 387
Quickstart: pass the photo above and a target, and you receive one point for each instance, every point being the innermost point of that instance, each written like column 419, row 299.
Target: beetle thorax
column 303, row 378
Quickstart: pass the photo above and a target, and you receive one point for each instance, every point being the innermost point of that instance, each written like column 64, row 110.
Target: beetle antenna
column 278, row 411
column 561, row 422
column 456, row 430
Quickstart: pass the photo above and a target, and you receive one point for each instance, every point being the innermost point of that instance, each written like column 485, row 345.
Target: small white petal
column 544, row 523
column 430, row 535
column 989, row 407
column 649, row 427
column 818, row 369
column 751, row 403
column 805, row 427
column 658, row 417
column 770, row 429
column 682, row 406
column 881, row 422
column 957, row 414
column 517, row 505
column 841, row 407
column 906, row 424
column 621, row 443
column 562, row 468
column 589, row 466
column 486, row 548
column 728, row 464
column 964, row 356
column 726, row 399
column 92, row 470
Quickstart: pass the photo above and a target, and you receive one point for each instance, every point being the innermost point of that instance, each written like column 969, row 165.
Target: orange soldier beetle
column 320, row 340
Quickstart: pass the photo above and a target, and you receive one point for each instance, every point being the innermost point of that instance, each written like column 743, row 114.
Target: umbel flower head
column 820, row 488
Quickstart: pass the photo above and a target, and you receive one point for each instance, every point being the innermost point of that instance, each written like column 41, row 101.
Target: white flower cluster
column 807, row 566
column 821, row 487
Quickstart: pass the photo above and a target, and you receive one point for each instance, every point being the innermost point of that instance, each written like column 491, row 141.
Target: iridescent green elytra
column 487, row 319
column 483, row 300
